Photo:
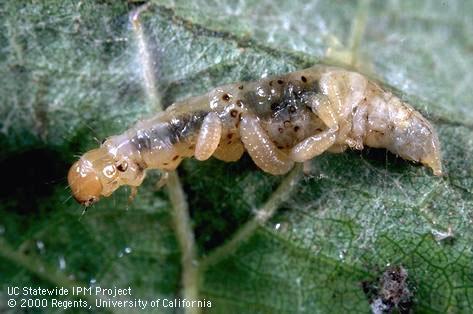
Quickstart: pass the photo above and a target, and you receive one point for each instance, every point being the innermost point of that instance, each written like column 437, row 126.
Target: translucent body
column 277, row 120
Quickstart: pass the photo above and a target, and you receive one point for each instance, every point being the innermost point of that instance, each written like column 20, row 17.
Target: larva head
column 99, row 173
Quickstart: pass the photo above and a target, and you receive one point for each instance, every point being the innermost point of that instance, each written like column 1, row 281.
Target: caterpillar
column 278, row 120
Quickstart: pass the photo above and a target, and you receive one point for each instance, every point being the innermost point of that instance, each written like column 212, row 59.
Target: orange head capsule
column 99, row 173
column 84, row 182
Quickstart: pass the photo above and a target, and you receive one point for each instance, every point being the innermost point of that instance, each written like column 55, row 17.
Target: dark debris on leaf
column 390, row 293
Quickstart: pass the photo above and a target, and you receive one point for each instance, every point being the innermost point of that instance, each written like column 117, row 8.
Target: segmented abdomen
column 286, row 114
column 278, row 121
column 396, row 126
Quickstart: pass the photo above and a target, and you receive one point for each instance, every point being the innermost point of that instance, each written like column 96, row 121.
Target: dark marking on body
column 185, row 125
column 141, row 141
column 291, row 101
column 175, row 131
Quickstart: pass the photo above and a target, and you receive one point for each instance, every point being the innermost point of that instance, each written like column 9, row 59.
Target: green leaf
column 71, row 73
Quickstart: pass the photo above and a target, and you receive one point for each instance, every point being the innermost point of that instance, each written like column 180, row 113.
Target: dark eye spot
column 292, row 109
column 280, row 82
column 239, row 103
column 296, row 128
column 303, row 79
column 122, row 166
column 233, row 113
column 226, row 97
column 229, row 136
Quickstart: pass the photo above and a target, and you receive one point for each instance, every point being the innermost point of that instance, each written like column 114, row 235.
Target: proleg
column 277, row 120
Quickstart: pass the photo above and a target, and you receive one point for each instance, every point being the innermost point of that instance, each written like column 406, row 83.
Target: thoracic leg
column 337, row 148
column 313, row 146
column 261, row 149
column 345, row 92
column 323, row 108
column 359, row 126
column 318, row 143
column 163, row 180
column 209, row 137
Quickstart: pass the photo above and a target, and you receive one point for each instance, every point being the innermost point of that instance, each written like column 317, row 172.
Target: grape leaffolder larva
column 278, row 120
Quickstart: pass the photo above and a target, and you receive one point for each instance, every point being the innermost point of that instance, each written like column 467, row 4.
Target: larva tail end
column 433, row 162
column 436, row 168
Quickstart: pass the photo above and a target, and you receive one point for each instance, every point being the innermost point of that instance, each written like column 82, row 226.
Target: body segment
column 277, row 120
